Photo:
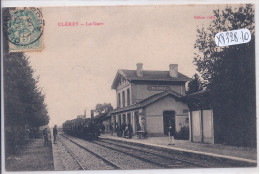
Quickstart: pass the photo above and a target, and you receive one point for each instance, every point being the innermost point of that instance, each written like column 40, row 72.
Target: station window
column 123, row 119
column 119, row 119
column 118, row 100
column 123, row 98
column 128, row 97
column 122, row 80
column 129, row 118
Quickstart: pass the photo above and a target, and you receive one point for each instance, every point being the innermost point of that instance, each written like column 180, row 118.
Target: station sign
column 158, row 88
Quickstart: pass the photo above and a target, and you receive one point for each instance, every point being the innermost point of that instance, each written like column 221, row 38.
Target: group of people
column 32, row 133
column 46, row 137
column 124, row 130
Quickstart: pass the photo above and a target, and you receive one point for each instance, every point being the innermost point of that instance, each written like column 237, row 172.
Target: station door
column 168, row 119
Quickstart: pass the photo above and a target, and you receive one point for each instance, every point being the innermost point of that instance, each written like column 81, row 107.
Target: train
column 85, row 128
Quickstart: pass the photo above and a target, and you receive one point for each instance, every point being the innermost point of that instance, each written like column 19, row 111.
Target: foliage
column 23, row 99
column 229, row 75
column 194, row 85
column 103, row 108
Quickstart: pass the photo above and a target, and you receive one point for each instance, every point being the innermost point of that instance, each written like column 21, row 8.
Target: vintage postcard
column 130, row 87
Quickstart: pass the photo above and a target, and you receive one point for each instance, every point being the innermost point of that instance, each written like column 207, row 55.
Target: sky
column 78, row 63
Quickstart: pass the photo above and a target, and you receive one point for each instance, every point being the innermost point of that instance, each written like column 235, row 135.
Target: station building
column 153, row 99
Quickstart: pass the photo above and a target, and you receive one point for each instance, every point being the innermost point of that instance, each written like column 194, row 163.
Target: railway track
column 145, row 155
column 193, row 159
column 150, row 156
column 156, row 154
column 107, row 161
column 72, row 155
column 140, row 157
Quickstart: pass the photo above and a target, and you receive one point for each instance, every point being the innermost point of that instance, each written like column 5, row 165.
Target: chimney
column 92, row 115
column 85, row 115
column 139, row 70
column 173, row 70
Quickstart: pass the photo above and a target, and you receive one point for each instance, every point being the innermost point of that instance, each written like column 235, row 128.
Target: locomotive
column 82, row 127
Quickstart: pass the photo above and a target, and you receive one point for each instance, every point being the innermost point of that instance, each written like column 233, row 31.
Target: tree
column 194, row 85
column 23, row 99
column 229, row 74
column 103, row 108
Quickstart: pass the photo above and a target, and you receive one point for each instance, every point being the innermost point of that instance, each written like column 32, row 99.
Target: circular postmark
column 25, row 26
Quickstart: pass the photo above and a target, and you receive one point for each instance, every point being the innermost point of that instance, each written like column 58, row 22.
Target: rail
column 73, row 156
column 93, row 153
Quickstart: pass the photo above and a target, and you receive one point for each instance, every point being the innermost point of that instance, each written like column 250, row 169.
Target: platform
column 217, row 150
column 57, row 159
column 33, row 156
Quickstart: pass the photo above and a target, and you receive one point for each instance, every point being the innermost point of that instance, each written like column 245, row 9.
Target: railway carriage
column 82, row 127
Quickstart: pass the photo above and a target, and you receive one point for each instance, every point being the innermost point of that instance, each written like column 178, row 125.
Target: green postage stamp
column 25, row 28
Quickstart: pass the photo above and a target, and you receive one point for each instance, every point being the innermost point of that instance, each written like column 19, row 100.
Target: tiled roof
column 101, row 116
column 199, row 94
column 159, row 76
column 148, row 101
column 154, row 75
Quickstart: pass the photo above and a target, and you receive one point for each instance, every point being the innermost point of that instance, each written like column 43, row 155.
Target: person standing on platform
column 171, row 135
column 45, row 135
column 123, row 126
column 111, row 128
column 103, row 128
column 126, row 132
column 55, row 132
column 31, row 133
column 27, row 135
column 117, row 129
column 138, row 127
column 130, row 130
